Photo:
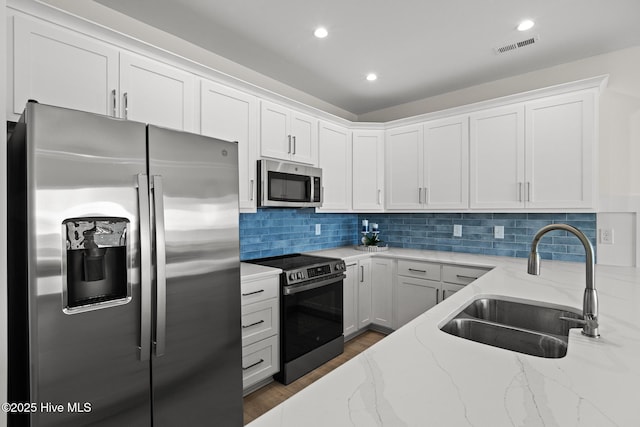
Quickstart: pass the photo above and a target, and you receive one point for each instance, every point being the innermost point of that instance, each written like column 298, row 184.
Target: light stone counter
column 254, row 271
column 421, row 376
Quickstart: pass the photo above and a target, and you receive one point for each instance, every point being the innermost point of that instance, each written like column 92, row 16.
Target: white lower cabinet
column 357, row 296
column 421, row 285
column 364, row 293
column 259, row 361
column 418, row 289
column 382, row 277
column 260, row 330
column 414, row 297
column 350, row 299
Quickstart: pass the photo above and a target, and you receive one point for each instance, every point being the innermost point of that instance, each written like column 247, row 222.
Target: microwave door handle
column 161, row 261
column 145, row 268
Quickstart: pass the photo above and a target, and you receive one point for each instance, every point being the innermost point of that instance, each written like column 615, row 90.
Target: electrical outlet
column 318, row 230
column 606, row 236
column 457, row 230
column 498, row 232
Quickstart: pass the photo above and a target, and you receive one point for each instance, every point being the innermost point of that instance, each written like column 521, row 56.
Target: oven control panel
column 315, row 272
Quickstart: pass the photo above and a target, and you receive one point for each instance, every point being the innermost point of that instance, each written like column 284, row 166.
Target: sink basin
column 523, row 326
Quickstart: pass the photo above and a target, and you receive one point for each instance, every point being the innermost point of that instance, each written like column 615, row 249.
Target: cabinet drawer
column 259, row 320
column 422, row 270
column 259, row 290
column 260, row 361
column 461, row 275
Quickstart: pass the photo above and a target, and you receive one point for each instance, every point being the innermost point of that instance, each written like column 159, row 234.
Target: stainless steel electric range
column 311, row 310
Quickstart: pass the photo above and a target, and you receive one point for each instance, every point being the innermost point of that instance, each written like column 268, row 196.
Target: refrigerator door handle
column 161, row 261
column 145, row 268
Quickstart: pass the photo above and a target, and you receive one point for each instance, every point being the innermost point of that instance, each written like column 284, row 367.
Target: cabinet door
column 232, row 115
column 368, row 170
column 382, row 276
column 156, row 93
column 414, row 297
column 275, row 137
column 403, row 171
column 449, row 289
column 364, row 293
column 497, row 158
column 59, row 67
column 560, row 137
column 335, row 160
column 350, row 304
column 304, row 134
column 446, row 163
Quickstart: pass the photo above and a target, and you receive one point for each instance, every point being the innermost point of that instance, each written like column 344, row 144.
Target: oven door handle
column 294, row 289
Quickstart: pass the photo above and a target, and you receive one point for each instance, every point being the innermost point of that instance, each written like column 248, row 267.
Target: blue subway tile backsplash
column 434, row 231
column 271, row 232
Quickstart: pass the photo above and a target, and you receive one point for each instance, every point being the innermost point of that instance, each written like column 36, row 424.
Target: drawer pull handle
column 460, row 276
column 419, row 271
column 253, row 324
column 253, row 293
column 252, row 365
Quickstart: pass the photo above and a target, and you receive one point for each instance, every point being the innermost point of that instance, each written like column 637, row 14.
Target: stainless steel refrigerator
column 124, row 274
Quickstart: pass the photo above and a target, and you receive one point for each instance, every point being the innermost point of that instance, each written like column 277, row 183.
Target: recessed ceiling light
column 371, row 77
column 321, row 32
column 525, row 25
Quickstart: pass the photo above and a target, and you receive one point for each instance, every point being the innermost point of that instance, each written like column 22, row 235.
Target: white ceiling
column 418, row 48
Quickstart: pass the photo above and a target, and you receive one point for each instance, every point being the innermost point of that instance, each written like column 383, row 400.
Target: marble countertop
column 420, row 376
column 254, row 271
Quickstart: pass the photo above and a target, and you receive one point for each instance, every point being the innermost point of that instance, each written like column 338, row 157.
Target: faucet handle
column 589, row 324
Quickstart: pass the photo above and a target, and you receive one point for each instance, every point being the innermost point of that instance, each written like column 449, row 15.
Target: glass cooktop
column 291, row 261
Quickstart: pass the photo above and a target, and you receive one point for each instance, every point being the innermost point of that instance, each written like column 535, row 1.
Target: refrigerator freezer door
column 197, row 377
column 86, row 359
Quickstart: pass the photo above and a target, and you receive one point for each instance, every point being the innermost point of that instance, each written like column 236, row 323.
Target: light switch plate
column 457, row 230
column 498, row 232
column 318, row 230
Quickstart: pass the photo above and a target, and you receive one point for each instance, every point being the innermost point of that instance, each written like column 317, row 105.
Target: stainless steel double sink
column 523, row 326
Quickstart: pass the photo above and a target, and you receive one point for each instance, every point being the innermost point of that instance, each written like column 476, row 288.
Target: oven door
column 311, row 316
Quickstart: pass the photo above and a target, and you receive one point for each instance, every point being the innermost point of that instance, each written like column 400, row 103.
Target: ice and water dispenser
column 96, row 262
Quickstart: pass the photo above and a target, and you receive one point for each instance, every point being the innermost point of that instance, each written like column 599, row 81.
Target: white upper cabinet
column 560, row 143
column 287, row 135
column 59, row 67
column 334, row 158
column 427, row 165
column 156, row 93
column 537, row 155
column 403, row 170
column 497, row 158
column 232, row 115
column 446, row 163
column 368, row 170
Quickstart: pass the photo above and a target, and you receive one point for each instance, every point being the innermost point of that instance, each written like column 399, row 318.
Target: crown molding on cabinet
column 598, row 83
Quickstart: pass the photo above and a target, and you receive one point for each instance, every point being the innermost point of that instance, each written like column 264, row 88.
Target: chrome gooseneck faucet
column 590, row 300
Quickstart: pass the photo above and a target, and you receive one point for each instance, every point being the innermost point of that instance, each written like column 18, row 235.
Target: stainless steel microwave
column 284, row 184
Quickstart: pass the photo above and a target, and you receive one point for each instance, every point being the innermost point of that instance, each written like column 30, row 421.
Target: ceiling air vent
column 517, row 45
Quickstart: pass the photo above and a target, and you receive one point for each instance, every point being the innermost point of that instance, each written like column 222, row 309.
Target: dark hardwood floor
column 260, row 401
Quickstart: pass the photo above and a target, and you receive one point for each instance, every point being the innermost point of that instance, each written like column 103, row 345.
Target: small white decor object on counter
column 371, row 248
column 370, row 238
